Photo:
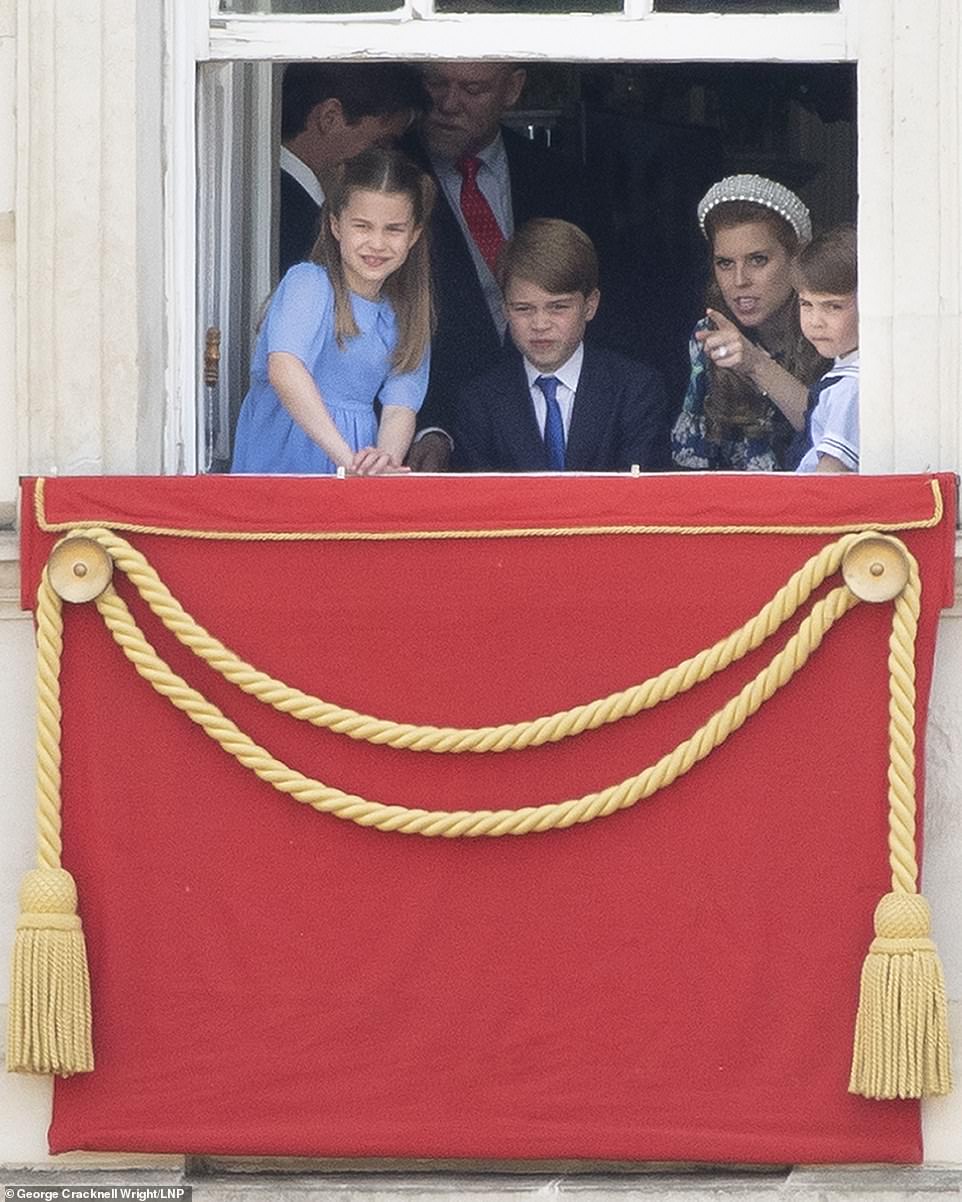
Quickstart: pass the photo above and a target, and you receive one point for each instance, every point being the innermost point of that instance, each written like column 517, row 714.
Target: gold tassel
column 48, row 1029
column 901, row 1031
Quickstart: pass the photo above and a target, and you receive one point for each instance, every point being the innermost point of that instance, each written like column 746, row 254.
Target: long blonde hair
column 732, row 405
column 409, row 288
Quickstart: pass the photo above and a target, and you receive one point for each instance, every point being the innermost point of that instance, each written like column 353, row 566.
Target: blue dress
column 300, row 321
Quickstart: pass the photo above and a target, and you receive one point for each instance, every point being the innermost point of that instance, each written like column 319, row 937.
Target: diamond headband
column 759, row 191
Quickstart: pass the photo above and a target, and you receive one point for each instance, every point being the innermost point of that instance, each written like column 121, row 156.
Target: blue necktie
column 554, row 431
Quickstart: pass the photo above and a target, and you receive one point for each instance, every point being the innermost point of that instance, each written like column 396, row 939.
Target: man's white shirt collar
column 300, row 171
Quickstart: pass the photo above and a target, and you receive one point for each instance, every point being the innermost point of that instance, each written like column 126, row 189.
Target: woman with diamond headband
column 750, row 364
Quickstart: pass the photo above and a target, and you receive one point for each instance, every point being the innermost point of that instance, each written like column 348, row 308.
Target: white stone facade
column 97, row 332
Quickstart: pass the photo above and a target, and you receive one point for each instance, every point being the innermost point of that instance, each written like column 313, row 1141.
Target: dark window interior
column 650, row 140
column 746, row 6
column 334, row 7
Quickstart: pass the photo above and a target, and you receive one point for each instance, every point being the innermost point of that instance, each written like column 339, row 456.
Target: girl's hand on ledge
column 371, row 461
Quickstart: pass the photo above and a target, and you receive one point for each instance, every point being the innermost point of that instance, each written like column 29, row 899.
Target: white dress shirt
column 567, row 375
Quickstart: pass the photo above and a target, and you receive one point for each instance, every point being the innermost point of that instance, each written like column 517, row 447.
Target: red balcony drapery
column 677, row 981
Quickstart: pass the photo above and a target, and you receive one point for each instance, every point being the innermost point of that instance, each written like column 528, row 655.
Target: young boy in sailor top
column 826, row 278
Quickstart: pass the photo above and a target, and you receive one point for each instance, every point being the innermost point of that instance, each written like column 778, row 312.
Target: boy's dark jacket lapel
column 518, row 432
column 589, row 418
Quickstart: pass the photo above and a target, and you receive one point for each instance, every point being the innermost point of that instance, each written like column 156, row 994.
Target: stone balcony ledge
column 210, row 1183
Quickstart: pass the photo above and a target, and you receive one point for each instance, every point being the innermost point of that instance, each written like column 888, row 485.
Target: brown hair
column 409, row 288
column 733, row 407
column 363, row 89
column 554, row 254
column 829, row 263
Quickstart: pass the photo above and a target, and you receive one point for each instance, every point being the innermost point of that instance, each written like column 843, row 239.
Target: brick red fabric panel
column 676, row 982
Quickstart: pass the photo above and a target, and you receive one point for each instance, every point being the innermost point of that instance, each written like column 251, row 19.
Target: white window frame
column 415, row 31
column 899, row 163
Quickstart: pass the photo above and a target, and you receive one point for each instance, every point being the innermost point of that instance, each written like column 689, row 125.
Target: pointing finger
column 720, row 320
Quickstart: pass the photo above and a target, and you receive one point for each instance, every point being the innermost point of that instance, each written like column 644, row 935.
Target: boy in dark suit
column 555, row 403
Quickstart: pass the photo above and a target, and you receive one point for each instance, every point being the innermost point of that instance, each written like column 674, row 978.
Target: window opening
column 649, row 139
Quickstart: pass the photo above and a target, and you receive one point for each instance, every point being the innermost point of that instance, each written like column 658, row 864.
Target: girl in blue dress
column 347, row 328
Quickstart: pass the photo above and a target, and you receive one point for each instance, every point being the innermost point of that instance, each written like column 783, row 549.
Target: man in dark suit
column 331, row 112
column 490, row 180
column 557, row 403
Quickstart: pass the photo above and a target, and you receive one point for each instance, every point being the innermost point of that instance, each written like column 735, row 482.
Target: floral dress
column 692, row 448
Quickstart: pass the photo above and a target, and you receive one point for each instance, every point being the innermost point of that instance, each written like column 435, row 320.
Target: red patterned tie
column 477, row 212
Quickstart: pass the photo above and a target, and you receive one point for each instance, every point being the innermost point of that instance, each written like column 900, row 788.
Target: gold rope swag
column 901, row 1042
